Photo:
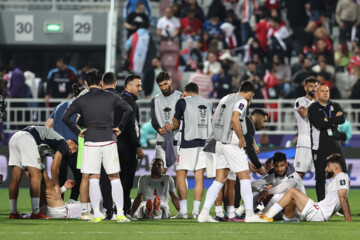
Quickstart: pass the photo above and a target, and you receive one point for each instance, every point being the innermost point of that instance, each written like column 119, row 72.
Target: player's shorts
column 97, row 153
column 231, row 176
column 191, row 159
column 141, row 211
column 303, row 160
column 70, row 210
column 23, row 151
column 80, row 152
column 232, row 157
column 210, row 160
column 160, row 153
column 312, row 212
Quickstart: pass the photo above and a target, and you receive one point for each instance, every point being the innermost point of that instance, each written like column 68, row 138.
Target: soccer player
column 195, row 111
column 336, row 197
column 24, row 154
column 227, row 126
column 162, row 112
column 273, row 186
column 97, row 107
column 152, row 200
column 303, row 157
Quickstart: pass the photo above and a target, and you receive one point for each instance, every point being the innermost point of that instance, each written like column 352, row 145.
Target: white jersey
column 303, row 124
column 150, row 187
column 331, row 204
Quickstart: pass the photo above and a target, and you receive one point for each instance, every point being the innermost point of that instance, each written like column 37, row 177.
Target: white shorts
column 210, row 160
column 141, row 211
column 97, row 153
column 70, row 210
column 231, row 176
column 23, row 151
column 312, row 212
column 160, row 153
column 303, row 160
column 191, row 159
column 232, row 157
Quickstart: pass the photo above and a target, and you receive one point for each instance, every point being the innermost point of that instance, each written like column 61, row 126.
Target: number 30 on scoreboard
column 82, row 28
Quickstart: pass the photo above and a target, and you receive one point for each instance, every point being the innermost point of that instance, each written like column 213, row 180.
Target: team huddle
column 191, row 136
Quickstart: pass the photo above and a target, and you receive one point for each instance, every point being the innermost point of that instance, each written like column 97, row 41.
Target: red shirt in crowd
column 195, row 25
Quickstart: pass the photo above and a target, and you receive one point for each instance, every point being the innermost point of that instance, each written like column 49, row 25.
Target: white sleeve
column 141, row 184
column 159, row 24
column 342, row 182
column 171, row 184
column 241, row 106
column 177, row 23
column 299, row 103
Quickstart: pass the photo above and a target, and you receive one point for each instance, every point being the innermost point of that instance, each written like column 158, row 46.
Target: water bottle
column 292, row 220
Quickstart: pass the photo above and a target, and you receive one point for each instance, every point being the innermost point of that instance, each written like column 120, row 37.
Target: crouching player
column 152, row 200
column 335, row 198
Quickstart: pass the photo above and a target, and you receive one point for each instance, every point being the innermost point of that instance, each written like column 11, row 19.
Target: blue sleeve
column 52, row 114
column 62, row 147
column 126, row 8
column 180, row 109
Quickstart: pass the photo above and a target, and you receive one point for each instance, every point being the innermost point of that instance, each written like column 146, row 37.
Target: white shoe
column 195, row 215
column 181, row 216
column 86, row 216
column 102, row 216
column 207, row 218
column 254, row 219
column 114, row 217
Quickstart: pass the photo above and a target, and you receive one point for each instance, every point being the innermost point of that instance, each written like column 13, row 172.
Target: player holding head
column 336, row 197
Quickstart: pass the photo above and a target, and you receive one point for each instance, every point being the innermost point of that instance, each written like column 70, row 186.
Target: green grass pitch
column 67, row 229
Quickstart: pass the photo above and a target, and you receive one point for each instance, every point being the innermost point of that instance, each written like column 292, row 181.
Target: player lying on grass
column 335, row 198
column 152, row 200
column 271, row 188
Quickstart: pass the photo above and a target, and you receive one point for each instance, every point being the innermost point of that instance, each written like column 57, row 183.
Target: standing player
column 230, row 144
column 336, row 197
column 195, row 111
column 162, row 112
column 152, row 200
column 303, row 157
column 97, row 107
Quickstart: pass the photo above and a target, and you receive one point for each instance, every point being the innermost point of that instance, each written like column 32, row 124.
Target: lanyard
column 328, row 106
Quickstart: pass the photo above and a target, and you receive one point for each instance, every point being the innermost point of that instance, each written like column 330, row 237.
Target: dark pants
column 345, row 34
column 70, row 161
column 319, row 157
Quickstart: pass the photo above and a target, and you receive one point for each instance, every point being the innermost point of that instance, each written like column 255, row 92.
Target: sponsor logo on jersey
column 342, row 182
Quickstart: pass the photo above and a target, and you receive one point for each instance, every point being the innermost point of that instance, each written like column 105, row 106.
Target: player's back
column 303, row 123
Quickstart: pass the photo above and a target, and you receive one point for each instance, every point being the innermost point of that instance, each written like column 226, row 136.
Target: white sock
column 183, row 206
column 84, row 208
column 35, row 205
column 95, row 196
column 13, row 205
column 230, row 211
column 211, row 196
column 275, row 209
column 219, row 211
column 247, row 196
column 196, row 206
column 240, row 210
column 117, row 195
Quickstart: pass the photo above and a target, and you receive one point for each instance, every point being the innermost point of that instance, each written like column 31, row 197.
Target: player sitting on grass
column 272, row 187
column 152, row 200
column 335, row 198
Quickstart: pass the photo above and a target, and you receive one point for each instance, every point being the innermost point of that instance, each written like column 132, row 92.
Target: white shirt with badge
column 150, row 187
column 303, row 124
column 331, row 204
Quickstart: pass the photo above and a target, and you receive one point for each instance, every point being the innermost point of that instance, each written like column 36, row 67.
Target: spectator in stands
column 136, row 19
column 323, row 66
column 334, row 90
column 168, row 26
column 222, row 83
column 230, row 39
column 60, row 81
column 264, row 141
column 202, row 80
column 276, row 37
column 296, row 14
column 354, row 92
column 189, row 56
column 130, row 6
column 260, row 67
column 218, row 9
column 211, row 29
column 271, row 91
column 314, row 8
column 234, row 69
column 230, row 5
column 299, row 77
column 81, row 73
column 347, row 16
column 322, row 77
column 232, row 19
column 245, row 10
column 175, row 8
column 193, row 5
column 253, row 76
column 211, row 66
column 322, row 44
column 149, row 83
column 190, row 27
column 298, row 65
column 140, row 50
column 342, row 57
column 283, row 73
column 17, row 87
column 262, row 27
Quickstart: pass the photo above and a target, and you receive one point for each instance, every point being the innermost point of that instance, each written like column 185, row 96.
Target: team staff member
column 162, row 112
column 128, row 143
column 324, row 116
column 97, row 107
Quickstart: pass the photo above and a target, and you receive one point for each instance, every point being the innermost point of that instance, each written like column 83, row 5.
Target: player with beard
column 303, row 157
column 152, row 200
column 336, row 197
